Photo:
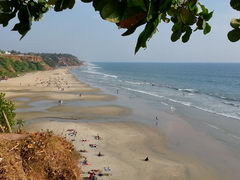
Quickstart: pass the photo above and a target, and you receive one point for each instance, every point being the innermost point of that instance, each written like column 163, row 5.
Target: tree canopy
column 187, row 16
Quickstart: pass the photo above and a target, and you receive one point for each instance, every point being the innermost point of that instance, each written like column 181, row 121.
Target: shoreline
column 124, row 144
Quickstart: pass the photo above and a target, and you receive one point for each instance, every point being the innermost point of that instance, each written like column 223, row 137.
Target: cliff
column 27, row 58
column 58, row 60
column 14, row 63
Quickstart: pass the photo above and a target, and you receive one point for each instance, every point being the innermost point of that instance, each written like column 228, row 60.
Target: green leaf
column 164, row 6
column 63, row 4
column 129, row 31
column 112, row 12
column 187, row 17
column 150, row 11
column 25, row 19
column 199, row 24
column 235, row 4
column 175, row 36
column 52, row 2
column 99, row 4
column 204, row 9
column 149, row 30
column 207, row 28
column 137, row 3
column 87, row 1
column 192, row 4
column 6, row 17
column 234, row 35
column 186, row 36
column 208, row 16
column 176, row 27
column 5, row 6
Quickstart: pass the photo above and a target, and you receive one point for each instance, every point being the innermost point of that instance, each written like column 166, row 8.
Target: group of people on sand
column 57, row 82
column 93, row 173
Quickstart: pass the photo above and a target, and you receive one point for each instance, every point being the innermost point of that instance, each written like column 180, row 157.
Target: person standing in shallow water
column 156, row 122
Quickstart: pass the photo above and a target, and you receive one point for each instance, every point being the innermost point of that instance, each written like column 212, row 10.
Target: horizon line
column 183, row 62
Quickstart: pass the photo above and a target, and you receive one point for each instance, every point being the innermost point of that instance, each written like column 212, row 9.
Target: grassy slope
column 11, row 68
column 14, row 64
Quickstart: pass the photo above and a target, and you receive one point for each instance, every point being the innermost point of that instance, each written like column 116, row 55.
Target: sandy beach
column 45, row 101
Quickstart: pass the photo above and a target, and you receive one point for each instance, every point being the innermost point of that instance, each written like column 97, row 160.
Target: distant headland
column 13, row 63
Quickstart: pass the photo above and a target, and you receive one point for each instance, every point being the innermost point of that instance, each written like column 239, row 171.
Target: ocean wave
column 110, row 75
column 189, row 104
column 144, row 92
column 135, row 83
column 156, row 95
column 192, row 91
column 90, row 64
column 180, row 102
column 231, row 104
column 229, row 115
column 93, row 67
column 99, row 73
column 224, row 97
column 188, row 90
column 218, row 113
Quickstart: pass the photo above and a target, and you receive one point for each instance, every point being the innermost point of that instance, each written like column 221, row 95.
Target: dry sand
column 123, row 144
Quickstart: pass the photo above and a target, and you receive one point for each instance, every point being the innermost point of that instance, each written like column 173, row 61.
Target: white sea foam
column 135, row 83
column 229, row 115
column 190, row 94
column 218, row 113
column 144, row 92
column 180, row 102
column 189, row 104
column 188, row 90
column 90, row 64
column 99, row 73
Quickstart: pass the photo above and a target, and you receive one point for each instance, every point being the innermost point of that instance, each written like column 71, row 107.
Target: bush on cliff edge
column 8, row 108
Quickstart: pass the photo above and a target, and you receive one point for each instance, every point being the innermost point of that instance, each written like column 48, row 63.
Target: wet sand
column 124, row 144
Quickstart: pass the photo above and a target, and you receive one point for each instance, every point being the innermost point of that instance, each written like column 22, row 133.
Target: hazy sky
column 83, row 33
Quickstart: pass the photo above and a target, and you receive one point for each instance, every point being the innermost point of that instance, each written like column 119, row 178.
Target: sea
column 206, row 94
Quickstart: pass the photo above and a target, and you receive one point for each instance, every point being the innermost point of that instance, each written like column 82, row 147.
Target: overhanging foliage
column 186, row 16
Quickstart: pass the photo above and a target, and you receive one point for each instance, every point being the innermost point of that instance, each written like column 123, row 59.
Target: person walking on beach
column 117, row 91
